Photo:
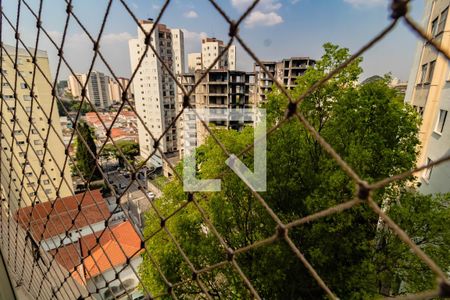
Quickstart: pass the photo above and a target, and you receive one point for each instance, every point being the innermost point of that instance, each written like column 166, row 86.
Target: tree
column 425, row 219
column 85, row 107
column 86, row 162
column 371, row 129
column 129, row 149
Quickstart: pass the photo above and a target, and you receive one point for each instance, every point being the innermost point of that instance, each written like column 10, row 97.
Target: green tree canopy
column 371, row 129
column 86, row 163
column 129, row 149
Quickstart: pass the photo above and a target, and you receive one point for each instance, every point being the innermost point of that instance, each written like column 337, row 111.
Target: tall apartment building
column 286, row 71
column 74, row 86
column 124, row 82
column 211, row 48
column 97, row 89
column 220, row 89
column 429, row 92
column 154, row 90
column 194, row 62
column 116, row 89
column 24, row 122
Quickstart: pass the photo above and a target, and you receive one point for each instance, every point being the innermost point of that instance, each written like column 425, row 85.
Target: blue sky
column 276, row 29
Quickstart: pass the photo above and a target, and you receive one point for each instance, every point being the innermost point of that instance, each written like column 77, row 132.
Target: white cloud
column 263, row 5
column 78, row 52
column 265, row 13
column 366, row 3
column 192, row 35
column 294, row 1
column 241, row 4
column 192, row 40
column 191, row 14
column 116, row 37
column 258, row 18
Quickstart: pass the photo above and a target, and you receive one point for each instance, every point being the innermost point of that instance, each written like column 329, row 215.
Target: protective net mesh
column 28, row 220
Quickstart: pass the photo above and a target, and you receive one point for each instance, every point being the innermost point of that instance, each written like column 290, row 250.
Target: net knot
column 399, row 8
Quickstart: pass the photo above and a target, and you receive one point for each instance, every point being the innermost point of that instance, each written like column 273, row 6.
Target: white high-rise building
column 154, row 89
column 211, row 48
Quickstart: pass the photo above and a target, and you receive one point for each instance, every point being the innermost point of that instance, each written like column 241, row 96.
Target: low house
column 84, row 239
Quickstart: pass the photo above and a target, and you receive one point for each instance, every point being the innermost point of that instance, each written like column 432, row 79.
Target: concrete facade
column 285, row 71
column 220, row 89
column 429, row 93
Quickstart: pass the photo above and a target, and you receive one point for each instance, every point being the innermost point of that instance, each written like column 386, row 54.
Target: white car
column 151, row 195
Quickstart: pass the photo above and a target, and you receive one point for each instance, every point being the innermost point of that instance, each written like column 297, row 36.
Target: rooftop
column 116, row 245
column 61, row 212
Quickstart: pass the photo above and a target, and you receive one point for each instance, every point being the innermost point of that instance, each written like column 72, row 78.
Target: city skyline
column 271, row 23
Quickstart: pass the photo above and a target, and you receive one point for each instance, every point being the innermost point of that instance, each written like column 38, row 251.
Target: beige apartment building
column 116, row 89
column 24, row 126
column 194, row 62
column 74, row 85
column 429, row 92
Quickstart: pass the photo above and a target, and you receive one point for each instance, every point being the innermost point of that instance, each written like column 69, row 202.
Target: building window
column 46, row 181
column 427, row 172
column 443, row 20
column 39, row 152
column 423, row 73
column 441, row 121
column 434, row 26
column 431, row 71
column 37, row 142
column 23, row 85
column 420, row 110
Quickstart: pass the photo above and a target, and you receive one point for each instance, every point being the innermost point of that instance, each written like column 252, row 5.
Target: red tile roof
column 118, row 132
column 93, row 210
column 67, row 256
column 128, row 113
column 118, row 243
